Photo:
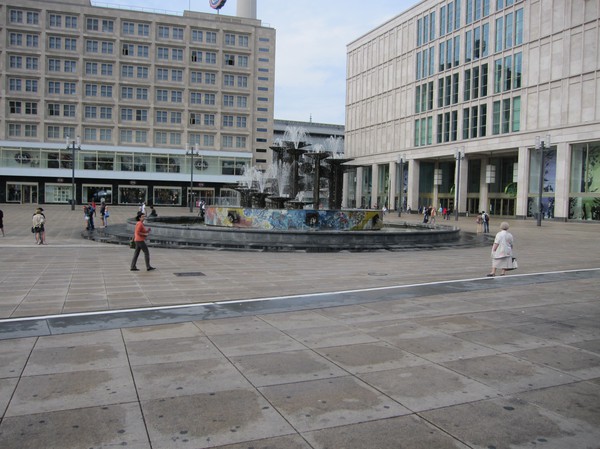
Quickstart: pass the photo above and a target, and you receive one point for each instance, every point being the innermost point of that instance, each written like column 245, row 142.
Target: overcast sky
column 310, row 74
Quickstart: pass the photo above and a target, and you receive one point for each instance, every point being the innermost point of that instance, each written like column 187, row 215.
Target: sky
column 310, row 71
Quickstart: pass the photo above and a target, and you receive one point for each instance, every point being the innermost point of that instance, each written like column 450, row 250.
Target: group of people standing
column 430, row 214
column 89, row 213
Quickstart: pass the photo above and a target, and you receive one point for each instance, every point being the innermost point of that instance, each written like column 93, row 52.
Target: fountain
column 282, row 184
column 275, row 215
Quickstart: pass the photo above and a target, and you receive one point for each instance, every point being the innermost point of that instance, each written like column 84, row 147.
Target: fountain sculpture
column 288, row 194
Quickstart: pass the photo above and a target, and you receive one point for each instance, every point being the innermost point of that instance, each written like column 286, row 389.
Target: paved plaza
column 239, row 350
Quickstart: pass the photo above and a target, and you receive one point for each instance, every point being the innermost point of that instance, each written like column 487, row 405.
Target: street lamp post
column 459, row 154
column 192, row 152
column 401, row 183
column 541, row 145
column 73, row 145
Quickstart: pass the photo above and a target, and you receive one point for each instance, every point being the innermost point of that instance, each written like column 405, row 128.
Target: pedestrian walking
column 105, row 215
column 502, row 251
column 91, row 211
column 140, row 234
column 2, row 222
column 37, row 226
column 486, row 222
column 102, row 211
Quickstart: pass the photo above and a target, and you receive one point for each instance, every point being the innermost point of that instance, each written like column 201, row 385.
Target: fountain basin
column 189, row 232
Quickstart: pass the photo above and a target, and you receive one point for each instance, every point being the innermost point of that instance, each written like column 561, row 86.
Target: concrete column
column 484, row 188
column 464, row 182
column 393, row 185
column 412, row 188
column 523, row 182
column 436, row 188
column 359, row 186
column 563, row 172
column 374, row 186
column 346, row 178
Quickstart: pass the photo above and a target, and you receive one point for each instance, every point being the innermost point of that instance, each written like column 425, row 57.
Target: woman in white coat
column 502, row 251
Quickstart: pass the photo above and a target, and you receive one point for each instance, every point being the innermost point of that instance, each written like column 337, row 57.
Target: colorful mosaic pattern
column 294, row 219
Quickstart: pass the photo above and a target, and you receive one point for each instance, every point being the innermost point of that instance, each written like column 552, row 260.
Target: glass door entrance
column 22, row 193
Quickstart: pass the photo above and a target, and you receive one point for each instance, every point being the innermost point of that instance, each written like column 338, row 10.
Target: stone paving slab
column 372, row 350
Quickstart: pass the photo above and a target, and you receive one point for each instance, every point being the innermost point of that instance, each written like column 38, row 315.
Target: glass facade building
column 476, row 82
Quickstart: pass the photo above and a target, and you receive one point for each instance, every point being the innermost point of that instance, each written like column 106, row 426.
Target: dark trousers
column 140, row 246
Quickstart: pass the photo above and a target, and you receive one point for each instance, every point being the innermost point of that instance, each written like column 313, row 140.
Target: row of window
column 450, row 17
column 130, row 93
column 506, row 118
column 137, row 136
column 130, row 71
column 507, row 76
column 107, row 68
column 509, row 33
column 128, row 28
column 126, row 114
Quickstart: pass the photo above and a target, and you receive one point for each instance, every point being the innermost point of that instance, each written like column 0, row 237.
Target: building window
column 162, row 95
column 54, row 88
column 227, row 120
column 90, row 112
column 161, row 117
column 16, row 16
column 176, row 96
column 33, row 18
column 106, row 135
column 195, row 98
column 141, row 93
column 163, row 32
column 177, row 54
column 70, row 88
column 196, row 77
column 506, row 116
column 53, row 109
column 211, row 37
column 106, row 91
column 141, row 115
column 70, row 44
column 197, row 36
column 143, row 30
column 128, row 28
column 162, row 74
column 30, row 130
column 228, row 80
column 178, row 33
column 126, row 93
column 69, row 110
column 210, row 99
column 242, row 102
column 177, row 75
column 106, row 113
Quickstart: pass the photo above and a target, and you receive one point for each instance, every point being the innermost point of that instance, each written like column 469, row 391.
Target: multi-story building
column 453, row 94
column 130, row 95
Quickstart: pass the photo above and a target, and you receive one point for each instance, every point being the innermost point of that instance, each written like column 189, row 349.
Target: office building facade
column 478, row 105
column 134, row 97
